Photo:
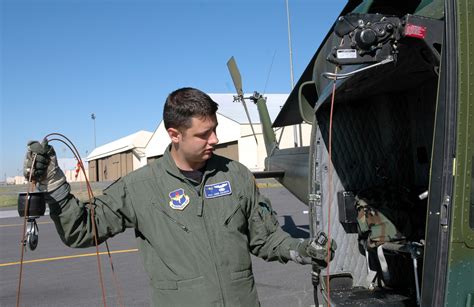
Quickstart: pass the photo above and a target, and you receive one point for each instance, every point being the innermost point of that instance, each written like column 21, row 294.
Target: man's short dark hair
column 185, row 103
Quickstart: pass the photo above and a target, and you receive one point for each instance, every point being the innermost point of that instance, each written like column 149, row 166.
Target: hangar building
column 236, row 140
column 118, row 158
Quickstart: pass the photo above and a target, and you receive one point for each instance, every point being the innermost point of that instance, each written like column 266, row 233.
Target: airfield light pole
column 93, row 119
column 296, row 128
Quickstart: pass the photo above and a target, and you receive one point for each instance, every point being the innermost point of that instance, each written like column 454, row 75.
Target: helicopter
column 389, row 172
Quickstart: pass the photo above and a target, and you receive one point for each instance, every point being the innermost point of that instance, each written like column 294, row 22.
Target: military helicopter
column 389, row 174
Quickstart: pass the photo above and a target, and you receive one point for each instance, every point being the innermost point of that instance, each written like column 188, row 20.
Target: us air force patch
column 217, row 189
column 179, row 200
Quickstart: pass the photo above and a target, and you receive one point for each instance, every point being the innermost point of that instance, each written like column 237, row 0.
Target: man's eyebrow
column 208, row 130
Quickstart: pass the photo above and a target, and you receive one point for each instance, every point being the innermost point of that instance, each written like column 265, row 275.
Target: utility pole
column 93, row 119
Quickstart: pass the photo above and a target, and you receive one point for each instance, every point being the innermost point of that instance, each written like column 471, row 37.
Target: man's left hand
column 315, row 249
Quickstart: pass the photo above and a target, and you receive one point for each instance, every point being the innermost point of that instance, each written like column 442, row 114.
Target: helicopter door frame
column 435, row 264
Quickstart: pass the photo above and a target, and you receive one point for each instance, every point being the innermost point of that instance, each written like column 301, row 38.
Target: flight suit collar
column 171, row 168
column 170, row 165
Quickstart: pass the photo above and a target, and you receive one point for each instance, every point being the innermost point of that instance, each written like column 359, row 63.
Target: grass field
column 9, row 193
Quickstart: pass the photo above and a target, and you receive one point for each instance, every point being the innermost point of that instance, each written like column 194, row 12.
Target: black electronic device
column 366, row 38
column 31, row 206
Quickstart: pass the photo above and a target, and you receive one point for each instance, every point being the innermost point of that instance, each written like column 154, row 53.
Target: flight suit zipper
column 183, row 227
column 227, row 221
column 178, row 223
column 213, row 249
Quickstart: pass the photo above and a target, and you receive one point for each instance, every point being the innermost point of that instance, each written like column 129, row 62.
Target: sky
column 62, row 60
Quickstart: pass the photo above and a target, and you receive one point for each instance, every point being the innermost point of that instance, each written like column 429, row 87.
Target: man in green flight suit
column 197, row 215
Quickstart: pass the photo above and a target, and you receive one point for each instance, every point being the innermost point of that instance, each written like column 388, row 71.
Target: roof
column 229, row 115
column 136, row 140
column 235, row 110
column 227, row 131
column 229, row 112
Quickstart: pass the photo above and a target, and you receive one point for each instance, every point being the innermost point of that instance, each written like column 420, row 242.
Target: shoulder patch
column 179, row 200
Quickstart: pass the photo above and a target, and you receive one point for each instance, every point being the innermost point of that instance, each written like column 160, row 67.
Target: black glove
column 314, row 249
column 46, row 171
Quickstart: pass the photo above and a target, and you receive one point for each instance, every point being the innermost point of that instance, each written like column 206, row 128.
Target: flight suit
column 195, row 238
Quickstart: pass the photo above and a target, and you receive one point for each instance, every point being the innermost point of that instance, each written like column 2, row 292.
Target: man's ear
column 174, row 135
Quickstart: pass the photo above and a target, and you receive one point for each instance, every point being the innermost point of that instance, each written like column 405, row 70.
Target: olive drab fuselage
column 195, row 243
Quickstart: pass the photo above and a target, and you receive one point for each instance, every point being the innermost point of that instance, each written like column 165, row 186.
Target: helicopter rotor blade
column 250, row 121
column 236, row 78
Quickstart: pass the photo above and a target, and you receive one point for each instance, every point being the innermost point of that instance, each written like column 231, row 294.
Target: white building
column 16, row 180
column 236, row 140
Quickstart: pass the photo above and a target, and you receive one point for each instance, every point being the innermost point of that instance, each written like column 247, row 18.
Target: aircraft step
column 365, row 297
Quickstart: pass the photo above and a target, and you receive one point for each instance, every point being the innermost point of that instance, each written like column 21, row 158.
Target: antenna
column 297, row 128
column 237, row 79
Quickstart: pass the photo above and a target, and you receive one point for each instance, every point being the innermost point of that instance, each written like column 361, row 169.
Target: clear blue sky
column 62, row 60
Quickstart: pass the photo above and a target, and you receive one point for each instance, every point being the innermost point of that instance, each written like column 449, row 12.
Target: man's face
column 196, row 144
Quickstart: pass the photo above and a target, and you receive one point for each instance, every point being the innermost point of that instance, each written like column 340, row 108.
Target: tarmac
column 55, row 275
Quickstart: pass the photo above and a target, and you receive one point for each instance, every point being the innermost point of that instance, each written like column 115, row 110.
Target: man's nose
column 213, row 140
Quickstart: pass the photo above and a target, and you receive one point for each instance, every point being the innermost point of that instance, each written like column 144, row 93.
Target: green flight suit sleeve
column 267, row 240
column 113, row 213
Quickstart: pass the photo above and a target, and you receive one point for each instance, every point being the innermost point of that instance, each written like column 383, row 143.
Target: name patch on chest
column 179, row 200
column 217, row 189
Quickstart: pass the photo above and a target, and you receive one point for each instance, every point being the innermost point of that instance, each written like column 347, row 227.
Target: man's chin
column 207, row 154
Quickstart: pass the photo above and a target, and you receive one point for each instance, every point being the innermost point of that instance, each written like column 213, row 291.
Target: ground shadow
column 296, row 231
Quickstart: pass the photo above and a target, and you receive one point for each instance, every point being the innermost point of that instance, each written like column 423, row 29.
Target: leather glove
column 46, row 171
column 314, row 249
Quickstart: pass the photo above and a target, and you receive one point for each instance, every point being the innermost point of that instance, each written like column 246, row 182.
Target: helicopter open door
column 379, row 109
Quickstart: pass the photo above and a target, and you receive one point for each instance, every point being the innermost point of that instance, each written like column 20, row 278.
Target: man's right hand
column 45, row 170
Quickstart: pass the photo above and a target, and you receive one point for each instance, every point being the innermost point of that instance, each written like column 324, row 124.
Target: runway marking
column 13, row 225
column 68, row 257
column 263, row 185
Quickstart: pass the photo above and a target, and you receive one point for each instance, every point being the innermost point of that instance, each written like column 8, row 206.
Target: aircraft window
column 471, row 211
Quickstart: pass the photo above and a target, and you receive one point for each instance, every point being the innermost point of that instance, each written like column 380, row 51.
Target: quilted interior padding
column 376, row 141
